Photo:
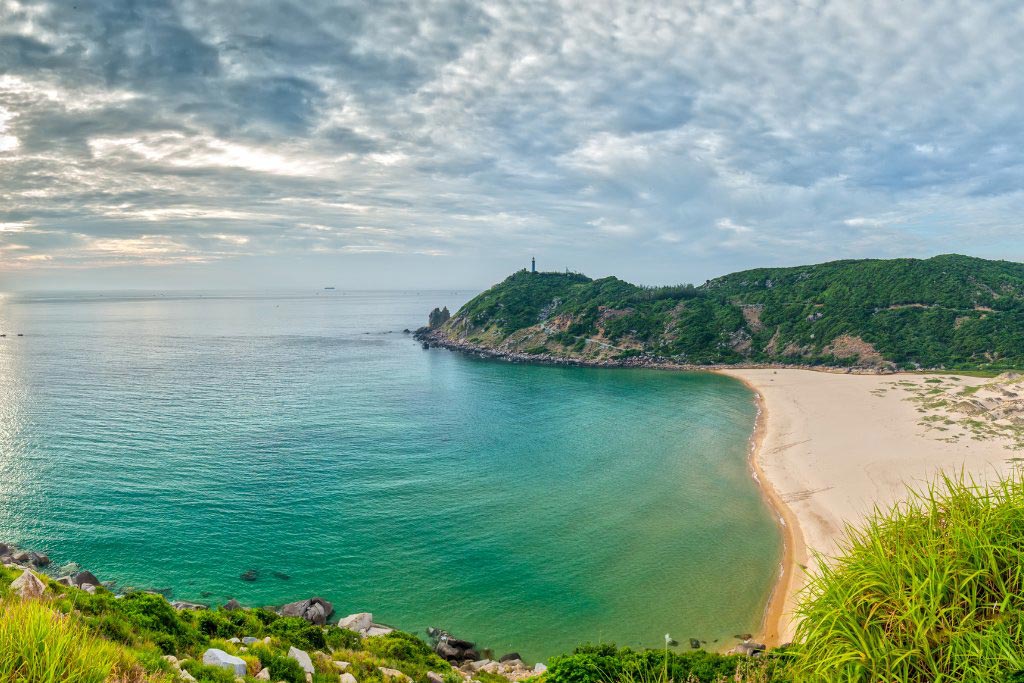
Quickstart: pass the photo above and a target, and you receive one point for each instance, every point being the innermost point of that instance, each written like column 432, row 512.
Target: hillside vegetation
column 953, row 312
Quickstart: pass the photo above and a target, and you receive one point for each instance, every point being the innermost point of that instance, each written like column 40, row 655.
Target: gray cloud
column 662, row 142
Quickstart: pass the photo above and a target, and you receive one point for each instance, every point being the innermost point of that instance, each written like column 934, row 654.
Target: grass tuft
column 930, row 590
column 39, row 645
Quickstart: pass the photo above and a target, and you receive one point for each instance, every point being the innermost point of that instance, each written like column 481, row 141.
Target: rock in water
column 232, row 605
column 302, row 657
column 221, row 659
column 694, row 643
column 83, row 579
column 509, row 657
column 28, row 586
column 249, row 575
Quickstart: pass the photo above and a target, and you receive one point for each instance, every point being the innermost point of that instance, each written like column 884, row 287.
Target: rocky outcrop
column 452, row 649
column 314, row 610
column 221, row 659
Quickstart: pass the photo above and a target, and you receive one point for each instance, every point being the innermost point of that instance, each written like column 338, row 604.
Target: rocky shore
column 436, row 338
column 466, row 659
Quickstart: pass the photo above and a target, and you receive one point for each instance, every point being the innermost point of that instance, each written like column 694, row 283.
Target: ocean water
column 177, row 441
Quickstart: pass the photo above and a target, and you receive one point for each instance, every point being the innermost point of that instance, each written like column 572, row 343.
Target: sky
column 387, row 144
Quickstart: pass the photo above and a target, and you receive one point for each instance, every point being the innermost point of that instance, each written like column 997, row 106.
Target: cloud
column 654, row 141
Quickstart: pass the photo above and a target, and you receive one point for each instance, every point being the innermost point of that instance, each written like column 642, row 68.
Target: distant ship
column 328, row 287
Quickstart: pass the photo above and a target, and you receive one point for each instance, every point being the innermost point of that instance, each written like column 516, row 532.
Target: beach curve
column 828, row 447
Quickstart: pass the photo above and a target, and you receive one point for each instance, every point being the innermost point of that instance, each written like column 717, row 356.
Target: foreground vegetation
column 929, row 591
column 954, row 312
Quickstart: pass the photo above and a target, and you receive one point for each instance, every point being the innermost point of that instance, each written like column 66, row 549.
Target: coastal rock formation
column 232, row 605
column 357, row 622
column 314, row 610
column 83, row 579
column 221, row 659
column 450, row 648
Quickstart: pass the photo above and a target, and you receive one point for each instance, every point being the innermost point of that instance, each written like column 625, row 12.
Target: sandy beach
column 829, row 447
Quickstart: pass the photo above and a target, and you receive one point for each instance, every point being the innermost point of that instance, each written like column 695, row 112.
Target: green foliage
column 38, row 645
column 208, row 674
column 931, row 590
column 299, row 632
column 607, row 664
column 282, row 667
column 407, row 653
column 953, row 312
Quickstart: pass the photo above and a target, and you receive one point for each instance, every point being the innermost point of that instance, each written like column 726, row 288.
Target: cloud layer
column 659, row 141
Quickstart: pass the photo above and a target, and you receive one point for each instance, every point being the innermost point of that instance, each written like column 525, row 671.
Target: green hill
column 954, row 312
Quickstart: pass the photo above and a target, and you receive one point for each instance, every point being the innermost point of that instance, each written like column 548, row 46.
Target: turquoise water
column 176, row 442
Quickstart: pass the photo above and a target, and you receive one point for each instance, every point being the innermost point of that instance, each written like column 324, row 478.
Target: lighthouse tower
column 533, row 264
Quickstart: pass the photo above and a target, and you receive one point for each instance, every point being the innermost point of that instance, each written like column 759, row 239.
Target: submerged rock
column 249, row 575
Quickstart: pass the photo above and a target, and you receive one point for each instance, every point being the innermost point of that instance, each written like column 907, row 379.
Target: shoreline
column 829, row 448
column 775, row 630
column 829, row 445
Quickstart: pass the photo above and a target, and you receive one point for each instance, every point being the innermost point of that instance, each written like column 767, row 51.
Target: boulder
column 342, row 666
column 480, row 664
column 750, row 648
column 540, row 667
column 249, row 640
column 28, row 585
column 83, row 579
column 186, row 676
column 314, row 610
column 236, row 641
column 263, row 675
column 302, row 657
column 221, row 659
column 232, row 605
column 172, row 660
column 510, row 657
column 347, row 678
column 446, row 651
column 377, row 630
column 435, row 677
column 183, row 605
column 357, row 622
column 40, row 559
column 394, row 674
column 21, row 556
column 5, row 549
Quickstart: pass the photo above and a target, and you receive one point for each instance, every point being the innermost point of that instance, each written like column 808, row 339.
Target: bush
column 931, row 590
column 208, row 674
column 606, row 664
column 39, row 645
column 299, row 632
column 282, row 668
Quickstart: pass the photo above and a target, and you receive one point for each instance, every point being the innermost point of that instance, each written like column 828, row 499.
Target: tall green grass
column 930, row 590
column 39, row 645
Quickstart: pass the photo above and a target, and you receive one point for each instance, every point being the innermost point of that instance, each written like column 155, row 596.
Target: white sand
column 831, row 449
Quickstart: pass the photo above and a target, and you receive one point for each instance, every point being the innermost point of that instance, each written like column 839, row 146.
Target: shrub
column 930, row 590
column 208, row 674
column 39, row 645
column 282, row 668
column 606, row 664
column 338, row 638
column 299, row 632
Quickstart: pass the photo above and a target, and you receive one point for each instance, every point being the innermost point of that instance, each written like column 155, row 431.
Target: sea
column 178, row 441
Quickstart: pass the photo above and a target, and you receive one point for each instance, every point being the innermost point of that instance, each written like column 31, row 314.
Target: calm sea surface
column 176, row 441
